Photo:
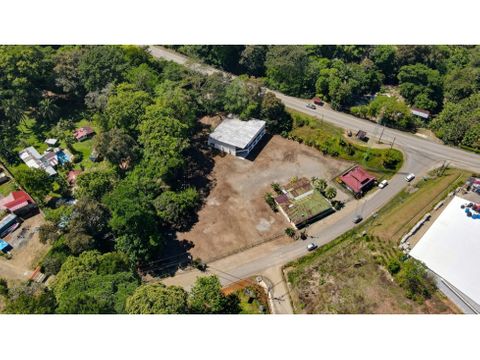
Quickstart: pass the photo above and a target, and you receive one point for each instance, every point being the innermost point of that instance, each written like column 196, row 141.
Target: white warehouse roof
column 237, row 132
column 451, row 248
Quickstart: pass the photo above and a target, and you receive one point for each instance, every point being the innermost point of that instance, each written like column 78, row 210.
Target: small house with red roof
column 357, row 180
column 72, row 176
column 19, row 203
column 83, row 133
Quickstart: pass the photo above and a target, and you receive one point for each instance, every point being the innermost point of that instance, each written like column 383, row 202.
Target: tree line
column 443, row 79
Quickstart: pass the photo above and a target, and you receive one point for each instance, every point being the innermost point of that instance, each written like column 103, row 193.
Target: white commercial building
column 237, row 137
column 451, row 249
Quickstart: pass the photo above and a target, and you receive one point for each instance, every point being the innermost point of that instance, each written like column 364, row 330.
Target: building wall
column 229, row 149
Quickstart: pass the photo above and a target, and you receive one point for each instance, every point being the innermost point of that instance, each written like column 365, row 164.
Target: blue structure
column 62, row 157
column 5, row 246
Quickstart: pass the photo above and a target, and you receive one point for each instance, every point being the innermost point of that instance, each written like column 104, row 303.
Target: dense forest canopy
column 441, row 79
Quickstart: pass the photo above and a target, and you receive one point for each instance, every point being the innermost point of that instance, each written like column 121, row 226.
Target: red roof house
column 18, row 202
column 83, row 133
column 72, row 176
column 358, row 180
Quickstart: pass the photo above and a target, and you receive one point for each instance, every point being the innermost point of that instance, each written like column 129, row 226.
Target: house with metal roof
column 357, row 180
column 19, row 203
column 45, row 162
column 237, row 137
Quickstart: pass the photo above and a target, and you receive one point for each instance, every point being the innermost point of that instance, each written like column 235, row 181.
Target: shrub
column 416, row 281
column 290, row 232
column 276, row 187
column 393, row 266
column 3, row 287
column 271, row 202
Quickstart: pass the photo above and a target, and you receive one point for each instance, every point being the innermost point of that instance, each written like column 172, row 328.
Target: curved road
column 421, row 155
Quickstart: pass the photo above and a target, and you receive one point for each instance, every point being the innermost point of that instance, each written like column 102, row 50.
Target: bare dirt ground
column 27, row 250
column 235, row 215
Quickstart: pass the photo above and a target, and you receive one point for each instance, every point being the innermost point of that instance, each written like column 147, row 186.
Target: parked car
column 311, row 106
column 410, row 177
column 357, row 219
column 382, row 184
column 312, row 246
column 317, row 101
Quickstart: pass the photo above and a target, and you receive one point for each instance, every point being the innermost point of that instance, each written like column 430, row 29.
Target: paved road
column 421, row 155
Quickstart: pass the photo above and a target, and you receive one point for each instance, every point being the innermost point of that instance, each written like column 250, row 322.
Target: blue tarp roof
column 4, row 245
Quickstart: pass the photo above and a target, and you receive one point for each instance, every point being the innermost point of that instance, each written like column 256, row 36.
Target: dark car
column 357, row 219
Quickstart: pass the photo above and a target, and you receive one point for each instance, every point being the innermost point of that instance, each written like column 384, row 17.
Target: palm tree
column 320, row 185
column 330, row 192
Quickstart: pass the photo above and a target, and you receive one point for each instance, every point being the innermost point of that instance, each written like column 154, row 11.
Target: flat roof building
column 33, row 159
column 237, row 137
column 451, row 247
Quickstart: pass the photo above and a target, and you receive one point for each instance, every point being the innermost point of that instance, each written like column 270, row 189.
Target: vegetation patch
column 329, row 139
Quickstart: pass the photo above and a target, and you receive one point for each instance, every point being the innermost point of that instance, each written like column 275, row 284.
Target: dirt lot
column 27, row 250
column 235, row 215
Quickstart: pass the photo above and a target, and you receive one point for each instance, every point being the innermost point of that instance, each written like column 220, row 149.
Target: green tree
column 93, row 283
column 101, row 65
column 30, row 299
column 126, row 107
column 66, row 70
column 95, row 183
column 78, row 242
column 157, row 299
column 143, row 77
column 330, row 193
column 117, row 147
column 177, row 208
column 164, row 139
column 36, row 182
column 206, row 297
column 415, row 280
column 243, row 97
column 90, row 217
column 286, row 67
column 461, row 83
column 134, row 219
column 174, row 101
column 252, row 59
column 320, row 185
column 278, row 120
column 421, row 86
column 385, row 59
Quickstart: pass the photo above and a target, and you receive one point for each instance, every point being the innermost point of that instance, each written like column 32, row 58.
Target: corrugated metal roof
column 237, row 132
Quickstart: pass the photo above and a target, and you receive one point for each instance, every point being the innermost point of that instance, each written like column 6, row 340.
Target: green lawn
column 349, row 275
column 308, row 206
column 329, row 139
column 254, row 306
column 8, row 187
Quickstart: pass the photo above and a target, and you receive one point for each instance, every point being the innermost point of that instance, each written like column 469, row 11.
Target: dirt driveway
column 27, row 250
column 235, row 215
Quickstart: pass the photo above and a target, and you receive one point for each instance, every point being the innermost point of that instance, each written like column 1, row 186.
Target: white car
column 382, row 184
column 311, row 246
column 311, row 106
column 410, row 177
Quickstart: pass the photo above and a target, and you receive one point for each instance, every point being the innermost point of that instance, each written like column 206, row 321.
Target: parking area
column 235, row 215
column 27, row 250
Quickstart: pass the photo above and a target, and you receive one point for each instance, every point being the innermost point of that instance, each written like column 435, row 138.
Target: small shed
column 362, row 135
column 424, row 114
column 5, row 247
column 51, row 142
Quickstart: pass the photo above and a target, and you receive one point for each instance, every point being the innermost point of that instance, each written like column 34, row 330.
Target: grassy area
column 8, row 187
column 349, row 275
column 253, row 307
column 308, row 206
column 330, row 140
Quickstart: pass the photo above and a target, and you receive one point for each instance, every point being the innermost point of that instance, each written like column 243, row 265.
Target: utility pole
column 393, row 142
column 381, row 134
